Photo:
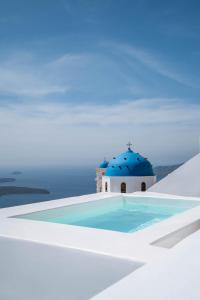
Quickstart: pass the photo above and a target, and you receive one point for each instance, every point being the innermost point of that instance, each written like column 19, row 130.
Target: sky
column 81, row 78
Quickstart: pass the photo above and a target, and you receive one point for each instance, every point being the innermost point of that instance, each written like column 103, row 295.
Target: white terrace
column 47, row 261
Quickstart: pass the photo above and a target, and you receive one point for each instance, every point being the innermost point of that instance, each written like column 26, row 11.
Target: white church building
column 126, row 173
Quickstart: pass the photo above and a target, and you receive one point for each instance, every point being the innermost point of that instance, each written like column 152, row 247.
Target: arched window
column 123, row 187
column 106, row 186
column 143, row 187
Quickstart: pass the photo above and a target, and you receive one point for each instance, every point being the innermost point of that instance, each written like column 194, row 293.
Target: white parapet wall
column 133, row 183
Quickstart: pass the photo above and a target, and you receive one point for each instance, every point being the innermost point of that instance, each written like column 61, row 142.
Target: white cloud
column 20, row 75
column 67, row 59
column 165, row 130
column 94, row 74
column 37, row 131
column 23, row 74
column 156, row 63
column 20, row 83
column 153, row 111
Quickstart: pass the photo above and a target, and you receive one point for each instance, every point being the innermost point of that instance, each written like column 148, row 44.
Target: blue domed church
column 126, row 173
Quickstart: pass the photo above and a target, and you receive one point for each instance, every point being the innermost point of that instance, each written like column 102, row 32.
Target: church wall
column 104, row 180
column 133, row 184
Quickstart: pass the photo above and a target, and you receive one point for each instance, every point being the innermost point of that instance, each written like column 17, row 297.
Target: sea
column 60, row 182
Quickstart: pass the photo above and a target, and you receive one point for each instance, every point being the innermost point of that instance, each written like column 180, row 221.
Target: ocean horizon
column 60, row 182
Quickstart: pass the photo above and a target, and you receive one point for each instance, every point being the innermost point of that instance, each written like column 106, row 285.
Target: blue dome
column 103, row 164
column 129, row 163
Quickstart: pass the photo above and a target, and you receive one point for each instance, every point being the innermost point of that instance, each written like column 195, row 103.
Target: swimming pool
column 124, row 213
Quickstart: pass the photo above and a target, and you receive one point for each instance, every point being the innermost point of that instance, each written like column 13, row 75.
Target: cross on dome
column 129, row 145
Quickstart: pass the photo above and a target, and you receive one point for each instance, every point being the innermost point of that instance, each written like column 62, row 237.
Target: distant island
column 4, row 180
column 13, row 190
column 16, row 173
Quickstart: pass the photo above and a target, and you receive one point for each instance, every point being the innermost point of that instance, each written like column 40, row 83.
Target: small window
column 143, row 187
column 123, row 187
column 106, row 186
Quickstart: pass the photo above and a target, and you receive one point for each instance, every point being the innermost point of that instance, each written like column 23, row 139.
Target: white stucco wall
column 184, row 181
column 133, row 184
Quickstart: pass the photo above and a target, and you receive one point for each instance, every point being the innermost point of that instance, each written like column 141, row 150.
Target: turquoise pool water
column 124, row 214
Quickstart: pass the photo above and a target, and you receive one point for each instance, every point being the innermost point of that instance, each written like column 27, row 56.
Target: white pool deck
column 136, row 245
column 176, row 277
column 162, row 264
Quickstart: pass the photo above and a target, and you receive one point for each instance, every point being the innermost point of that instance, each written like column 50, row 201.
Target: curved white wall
column 133, row 184
column 34, row 271
column 184, row 181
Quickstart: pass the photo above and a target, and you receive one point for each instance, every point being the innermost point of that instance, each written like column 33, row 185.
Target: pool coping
column 137, row 246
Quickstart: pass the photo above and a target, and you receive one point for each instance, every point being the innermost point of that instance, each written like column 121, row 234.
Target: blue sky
column 80, row 78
